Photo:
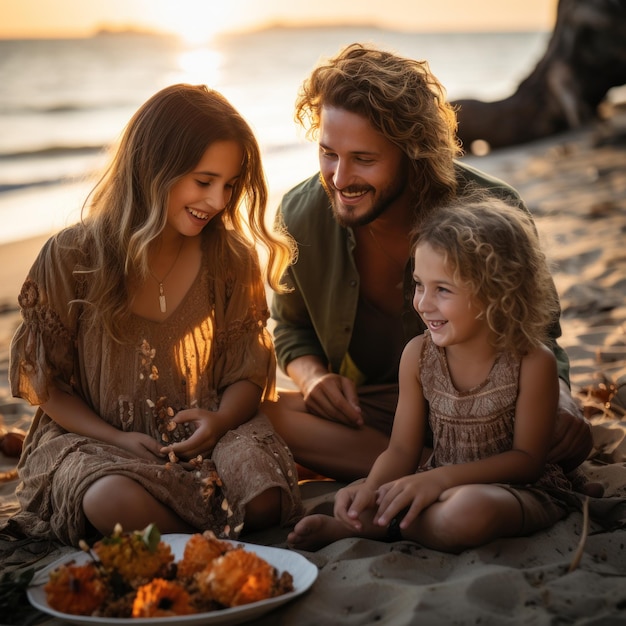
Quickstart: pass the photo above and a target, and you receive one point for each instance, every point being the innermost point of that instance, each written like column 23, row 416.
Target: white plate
column 303, row 571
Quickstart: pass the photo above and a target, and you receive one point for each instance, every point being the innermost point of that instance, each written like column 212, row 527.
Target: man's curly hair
column 493, row 249
column 402, row 100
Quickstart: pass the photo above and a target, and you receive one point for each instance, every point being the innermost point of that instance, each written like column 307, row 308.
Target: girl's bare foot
column 316, row 531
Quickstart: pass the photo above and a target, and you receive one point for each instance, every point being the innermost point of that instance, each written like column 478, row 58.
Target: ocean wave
column 61, row 107
column 53, row 152
column 8, row 187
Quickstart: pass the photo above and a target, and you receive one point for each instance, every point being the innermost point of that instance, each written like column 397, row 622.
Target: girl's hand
column 351, row 501
column 141, row 445
column 417, row 492
column 207, row 431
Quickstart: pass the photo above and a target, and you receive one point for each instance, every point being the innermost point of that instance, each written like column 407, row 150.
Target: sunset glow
column 196, row 21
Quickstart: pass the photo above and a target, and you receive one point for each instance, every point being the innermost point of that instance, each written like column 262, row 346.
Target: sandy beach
column 575, row 186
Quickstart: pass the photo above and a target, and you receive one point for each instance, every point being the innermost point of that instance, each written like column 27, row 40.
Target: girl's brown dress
column 217, row 336
column 471, row 425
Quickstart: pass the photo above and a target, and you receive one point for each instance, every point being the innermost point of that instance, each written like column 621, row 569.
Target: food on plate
column 135, row 574
column 76, row 589
column 239, row 577
column 199, row 551
column 162, row 598
column 135, row 557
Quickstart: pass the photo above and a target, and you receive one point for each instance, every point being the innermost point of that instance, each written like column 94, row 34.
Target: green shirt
column 317, row 316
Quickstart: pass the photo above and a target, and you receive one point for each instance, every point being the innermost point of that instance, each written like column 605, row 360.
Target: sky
column 198, row 20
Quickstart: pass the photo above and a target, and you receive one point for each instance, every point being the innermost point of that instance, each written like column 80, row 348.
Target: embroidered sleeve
column 42, row 349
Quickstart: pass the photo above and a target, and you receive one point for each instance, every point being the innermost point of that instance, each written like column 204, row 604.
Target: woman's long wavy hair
column 127, row 209
column 494, row 250
column 402, row 100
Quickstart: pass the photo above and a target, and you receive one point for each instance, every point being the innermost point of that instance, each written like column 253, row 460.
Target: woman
column 144, row 341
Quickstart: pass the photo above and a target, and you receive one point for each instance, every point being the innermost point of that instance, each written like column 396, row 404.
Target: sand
column 575, row 185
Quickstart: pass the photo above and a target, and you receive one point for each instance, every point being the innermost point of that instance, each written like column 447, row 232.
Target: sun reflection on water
column 200, row 65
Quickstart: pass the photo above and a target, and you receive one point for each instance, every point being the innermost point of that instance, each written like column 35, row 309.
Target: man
column 387, row 151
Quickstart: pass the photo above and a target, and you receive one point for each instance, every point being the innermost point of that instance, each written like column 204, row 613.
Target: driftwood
column 584, row 59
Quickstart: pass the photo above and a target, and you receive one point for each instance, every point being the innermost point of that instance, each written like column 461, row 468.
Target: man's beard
column 386, row 198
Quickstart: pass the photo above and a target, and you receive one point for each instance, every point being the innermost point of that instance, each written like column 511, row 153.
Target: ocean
column 63, row 101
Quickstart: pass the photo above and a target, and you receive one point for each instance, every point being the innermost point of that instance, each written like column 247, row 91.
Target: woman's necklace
column 162, row 301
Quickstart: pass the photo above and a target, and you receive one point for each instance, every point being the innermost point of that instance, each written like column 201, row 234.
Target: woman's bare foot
column 316, row 531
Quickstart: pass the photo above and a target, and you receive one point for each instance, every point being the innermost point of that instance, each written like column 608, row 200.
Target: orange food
column 129, row 555
column 161, row 598
column 200, row 550
column 133, row 573
column 239, row 577
column 76, row 589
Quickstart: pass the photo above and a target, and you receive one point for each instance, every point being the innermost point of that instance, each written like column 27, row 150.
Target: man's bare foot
column 316, row 531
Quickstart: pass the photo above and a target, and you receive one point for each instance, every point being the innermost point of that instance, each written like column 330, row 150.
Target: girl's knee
column 471, row 516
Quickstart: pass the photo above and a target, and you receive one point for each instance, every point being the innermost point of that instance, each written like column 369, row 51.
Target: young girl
column 486, row 382
column 144, row 340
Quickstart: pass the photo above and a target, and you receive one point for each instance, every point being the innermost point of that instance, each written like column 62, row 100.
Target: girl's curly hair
column 493, row 249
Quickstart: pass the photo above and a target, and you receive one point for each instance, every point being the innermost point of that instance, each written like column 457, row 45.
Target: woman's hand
column 207, row 429
column 141, row 445
column 75, row 416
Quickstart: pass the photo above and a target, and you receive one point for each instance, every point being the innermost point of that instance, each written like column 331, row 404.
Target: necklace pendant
column 162, row 303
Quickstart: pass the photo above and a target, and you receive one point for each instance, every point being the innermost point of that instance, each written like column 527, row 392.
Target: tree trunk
column 585, row 57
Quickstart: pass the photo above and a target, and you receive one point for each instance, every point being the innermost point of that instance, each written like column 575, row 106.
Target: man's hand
column 333, row 397
column 326, row 395
column 572, row 440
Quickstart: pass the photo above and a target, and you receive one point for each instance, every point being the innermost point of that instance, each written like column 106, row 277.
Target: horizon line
column 116, row 30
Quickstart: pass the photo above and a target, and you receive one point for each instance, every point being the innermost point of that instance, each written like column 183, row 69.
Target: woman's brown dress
column 217, row 336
